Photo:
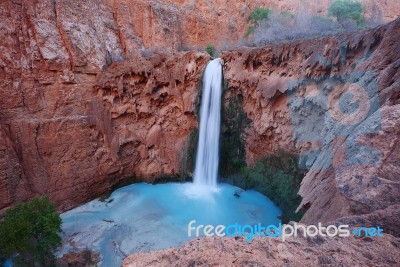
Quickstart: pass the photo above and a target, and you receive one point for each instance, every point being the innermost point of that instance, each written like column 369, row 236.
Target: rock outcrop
column 297, row 251
column 79, row 259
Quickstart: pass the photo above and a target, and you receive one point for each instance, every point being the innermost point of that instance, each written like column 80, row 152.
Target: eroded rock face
column 87, row 35
column 64, row 133
column 292, row 92
column 131, row 120
column 69, row 113
column 151, row 105
column 181, row 24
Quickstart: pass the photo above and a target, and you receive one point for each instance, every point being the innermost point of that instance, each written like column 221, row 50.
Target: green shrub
column 257, row 15
column 347, row 9
column 29, row 233
column 210, row 49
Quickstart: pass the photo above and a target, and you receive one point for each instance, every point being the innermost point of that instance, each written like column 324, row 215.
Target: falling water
column 210, row 116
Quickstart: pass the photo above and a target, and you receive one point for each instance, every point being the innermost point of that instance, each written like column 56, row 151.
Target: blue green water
column 144, row 217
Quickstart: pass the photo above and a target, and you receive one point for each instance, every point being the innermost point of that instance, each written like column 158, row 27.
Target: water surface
column 144, row 217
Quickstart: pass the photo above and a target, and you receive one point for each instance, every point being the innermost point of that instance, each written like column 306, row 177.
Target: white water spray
column 207, row 158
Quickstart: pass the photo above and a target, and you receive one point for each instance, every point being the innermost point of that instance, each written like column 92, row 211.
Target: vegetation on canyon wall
column 29, row 233
column 255, row 18
column 268, row 26
column 278, row 177
column 234, row 123
column 347, row 9
column 210, row 49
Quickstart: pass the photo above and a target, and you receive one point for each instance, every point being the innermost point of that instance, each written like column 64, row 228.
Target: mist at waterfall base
column 144, row 217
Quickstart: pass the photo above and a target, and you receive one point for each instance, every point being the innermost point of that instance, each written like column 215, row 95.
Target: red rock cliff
column 79, row 110
column 72, row 123
column 74, row 140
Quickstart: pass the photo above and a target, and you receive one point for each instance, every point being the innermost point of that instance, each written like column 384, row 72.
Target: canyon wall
column 179, row 24
column 295, row 95
column 81, row 110
column 83, row 136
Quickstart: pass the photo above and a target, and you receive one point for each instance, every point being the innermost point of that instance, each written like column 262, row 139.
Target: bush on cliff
column 256, row 16
column 29, row 233
column 347, row 10
column 267, row 26
column 210, row 50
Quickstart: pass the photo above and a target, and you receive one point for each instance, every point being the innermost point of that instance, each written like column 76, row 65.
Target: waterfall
column 207, row 158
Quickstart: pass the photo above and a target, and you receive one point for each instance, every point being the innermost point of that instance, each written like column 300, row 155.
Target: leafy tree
column 29, row 233
column 258, row 14
column 347, row 9
column 210, row 50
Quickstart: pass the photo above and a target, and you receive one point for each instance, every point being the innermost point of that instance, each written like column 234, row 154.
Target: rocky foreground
column 273, row 252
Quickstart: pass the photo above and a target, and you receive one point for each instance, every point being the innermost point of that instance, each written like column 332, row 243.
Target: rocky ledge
column 273, row 252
